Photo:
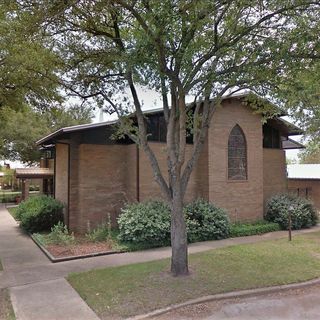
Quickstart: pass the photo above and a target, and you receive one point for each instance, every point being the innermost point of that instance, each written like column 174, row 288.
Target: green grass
column 6, row 310
column 9, row 196
column 134, row 289
column 13, row 211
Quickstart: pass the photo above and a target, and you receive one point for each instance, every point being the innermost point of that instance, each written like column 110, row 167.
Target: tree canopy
column 21, row 129
column 28, row 67
column 311, row 154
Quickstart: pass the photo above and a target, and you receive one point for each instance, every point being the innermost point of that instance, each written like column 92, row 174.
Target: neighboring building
column 242, row 164
column 304, row 181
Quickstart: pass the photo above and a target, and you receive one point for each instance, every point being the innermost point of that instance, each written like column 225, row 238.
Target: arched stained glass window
column 237, row 155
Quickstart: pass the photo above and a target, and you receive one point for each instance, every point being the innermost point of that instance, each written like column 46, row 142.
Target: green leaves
column 20, row 130
column 28, row 67
column 304, row 214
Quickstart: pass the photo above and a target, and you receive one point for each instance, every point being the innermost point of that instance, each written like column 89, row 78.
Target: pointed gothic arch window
column 237, row 155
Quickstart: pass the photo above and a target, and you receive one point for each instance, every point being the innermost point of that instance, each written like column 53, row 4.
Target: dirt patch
column 59, row 251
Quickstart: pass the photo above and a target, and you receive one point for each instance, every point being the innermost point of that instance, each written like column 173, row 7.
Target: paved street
column 299, row 304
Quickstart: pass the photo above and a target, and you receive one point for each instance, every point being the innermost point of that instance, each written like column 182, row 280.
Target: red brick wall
column 149, row 189
column 242, row 199
column 61, row 175
column 274, row 173
column 314, row 185
column 103, row 177
column 102, row 183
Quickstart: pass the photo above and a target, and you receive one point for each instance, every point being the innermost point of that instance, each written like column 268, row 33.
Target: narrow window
column 237, row 155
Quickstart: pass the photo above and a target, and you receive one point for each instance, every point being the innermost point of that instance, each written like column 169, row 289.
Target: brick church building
column 241, row 166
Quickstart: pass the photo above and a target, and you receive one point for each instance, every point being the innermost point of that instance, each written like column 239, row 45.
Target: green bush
column 39, row 213
column 303, row 215
column 249, row 229
column 205, row 221
column 145, row 222
column 149, row 222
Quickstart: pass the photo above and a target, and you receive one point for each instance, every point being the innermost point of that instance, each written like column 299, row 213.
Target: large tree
column 20, row 129
column 201, row 48
column 28, row 67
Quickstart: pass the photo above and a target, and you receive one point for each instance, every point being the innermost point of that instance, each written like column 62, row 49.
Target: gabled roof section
column 304, row 171
column 291, row 144
column 77, row 128
column 287, row 127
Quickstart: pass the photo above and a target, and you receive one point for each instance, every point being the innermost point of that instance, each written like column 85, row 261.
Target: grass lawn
column 8, row 196
column 13, row 211
column 134, row 289
column 6, row 311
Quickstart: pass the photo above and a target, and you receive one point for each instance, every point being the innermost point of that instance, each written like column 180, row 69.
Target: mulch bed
column 59, row 251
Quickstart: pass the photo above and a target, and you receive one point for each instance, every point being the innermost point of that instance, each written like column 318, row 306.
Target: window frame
column 230, row 179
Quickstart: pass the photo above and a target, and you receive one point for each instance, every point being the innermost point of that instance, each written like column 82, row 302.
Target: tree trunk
column 179, row 245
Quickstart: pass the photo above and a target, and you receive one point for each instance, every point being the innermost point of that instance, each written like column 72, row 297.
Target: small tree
column 202, row 48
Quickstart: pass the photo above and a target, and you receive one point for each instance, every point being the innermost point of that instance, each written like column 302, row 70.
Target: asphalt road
column 292, row 304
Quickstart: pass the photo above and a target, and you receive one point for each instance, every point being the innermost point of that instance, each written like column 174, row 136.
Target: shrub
column 59, row 235
column 304, row 215
column 205, row 221
column 39, row 213
column 145, row 222
column 249, row 229
column 101, row 233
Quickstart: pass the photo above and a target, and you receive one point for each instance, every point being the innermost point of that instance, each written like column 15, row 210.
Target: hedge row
column 149, row 222
column 250, row 229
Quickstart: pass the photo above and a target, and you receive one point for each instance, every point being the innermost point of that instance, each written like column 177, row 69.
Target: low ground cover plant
column 252, row 228
column 59, row 235
column 101, row 233
column 40, row 213
column 303, row 212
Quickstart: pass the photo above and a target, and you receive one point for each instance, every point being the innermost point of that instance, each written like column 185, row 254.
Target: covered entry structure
column 43, row 176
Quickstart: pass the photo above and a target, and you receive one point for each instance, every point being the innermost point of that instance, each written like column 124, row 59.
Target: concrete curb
column 69, row 258
column 229, row 295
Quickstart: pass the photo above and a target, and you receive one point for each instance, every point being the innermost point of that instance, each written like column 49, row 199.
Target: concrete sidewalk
column 27, row 271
